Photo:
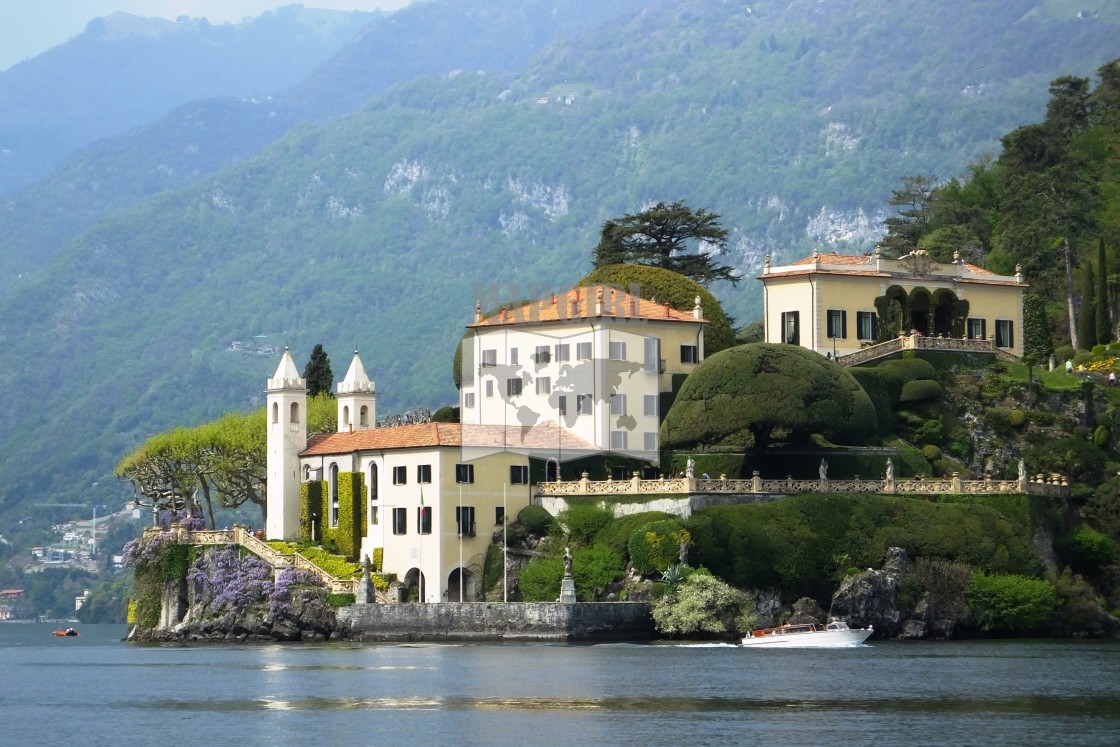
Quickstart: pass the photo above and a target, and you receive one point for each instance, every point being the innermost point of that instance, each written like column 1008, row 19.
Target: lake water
column 96, row 690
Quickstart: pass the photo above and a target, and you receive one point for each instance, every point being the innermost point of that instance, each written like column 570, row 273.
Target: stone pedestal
column 567, row 590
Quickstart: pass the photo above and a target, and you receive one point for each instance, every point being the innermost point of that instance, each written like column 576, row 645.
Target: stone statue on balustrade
column 690, row 468
column 890, row 470
column 823, row 470
column 1022, row 471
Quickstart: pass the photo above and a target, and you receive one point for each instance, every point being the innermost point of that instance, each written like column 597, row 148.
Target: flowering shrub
column 167, row 518
column 228, row 581
column 1103, row 365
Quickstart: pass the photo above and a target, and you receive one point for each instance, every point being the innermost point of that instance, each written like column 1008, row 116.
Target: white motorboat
column 836, row 634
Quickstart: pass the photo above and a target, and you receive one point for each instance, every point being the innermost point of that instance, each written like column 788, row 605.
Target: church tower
column 357, row 399
column 286, row 397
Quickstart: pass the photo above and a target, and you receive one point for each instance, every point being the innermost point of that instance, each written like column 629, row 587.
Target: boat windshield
column 838, row 625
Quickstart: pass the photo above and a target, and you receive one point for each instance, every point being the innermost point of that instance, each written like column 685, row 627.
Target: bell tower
column 357, row 399
column 286, row 400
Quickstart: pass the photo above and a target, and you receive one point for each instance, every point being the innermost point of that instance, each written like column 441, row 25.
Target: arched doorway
column 920, row 311
column 460, row 579
column 551, row 471
column 414, row 585
column 945, row 305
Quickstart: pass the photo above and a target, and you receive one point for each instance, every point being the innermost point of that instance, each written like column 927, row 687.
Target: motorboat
column 836, row 634
column 67, row 633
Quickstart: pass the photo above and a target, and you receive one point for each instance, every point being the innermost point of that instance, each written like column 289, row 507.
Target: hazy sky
column 29, row 27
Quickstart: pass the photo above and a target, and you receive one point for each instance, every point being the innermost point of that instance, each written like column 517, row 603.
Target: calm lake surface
column 96, row 690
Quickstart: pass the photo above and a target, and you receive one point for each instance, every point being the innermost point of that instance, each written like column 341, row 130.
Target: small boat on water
column 836, row 634
column 67, row 633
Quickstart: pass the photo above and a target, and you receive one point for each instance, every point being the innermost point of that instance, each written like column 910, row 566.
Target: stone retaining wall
column 495, row 621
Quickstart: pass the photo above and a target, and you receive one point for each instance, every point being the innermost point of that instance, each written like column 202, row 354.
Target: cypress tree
column 318, row 373
column 1038, row 344
column 1103, row 323
column 1087, row 314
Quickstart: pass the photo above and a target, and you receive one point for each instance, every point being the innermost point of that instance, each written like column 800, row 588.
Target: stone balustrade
column 1046, row 485
column 922, row 342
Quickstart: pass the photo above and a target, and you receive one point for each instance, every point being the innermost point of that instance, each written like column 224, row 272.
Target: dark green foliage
column 318, row 374
column 1074, row 457
column 616, row 535
column 446, row 414
column 1016, row 418
column 920, row 390
column 1087, row 314
column 1102, row 436
column 754, row 393
column 593, row 568
column 960, row 443
column 795, row 543
column 1011, row 603
column 930, row 432
column 340, row 600
column 1103, row 329
column 535, row 519
column 666, row 286
column 582, row 521
column 668, row 236
column 655, row 546
column 1092, row 549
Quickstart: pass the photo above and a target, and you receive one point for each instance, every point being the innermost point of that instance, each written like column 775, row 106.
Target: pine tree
column 318, row 374
column 1103, row 323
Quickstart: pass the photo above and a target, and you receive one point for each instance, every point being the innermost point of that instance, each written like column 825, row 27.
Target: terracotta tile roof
column 580, row 303
column 545, row 436
column 836, row 259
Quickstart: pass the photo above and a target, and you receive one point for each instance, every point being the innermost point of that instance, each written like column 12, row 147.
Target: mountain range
column 460, row 151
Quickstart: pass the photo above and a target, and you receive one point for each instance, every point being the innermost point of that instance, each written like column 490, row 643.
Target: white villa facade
column 567, row 377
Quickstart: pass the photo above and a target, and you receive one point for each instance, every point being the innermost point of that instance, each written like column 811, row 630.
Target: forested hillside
column 379, row 230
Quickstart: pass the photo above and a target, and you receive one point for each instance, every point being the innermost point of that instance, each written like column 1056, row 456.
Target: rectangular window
column 620, row 472
column 519, row 474
column 563, row 352
column 464, row 517
column 373, row 515
column 618, row 440
column 544, row 385
column 618, row 404
column 489, row 387
column 513, row 387
column 424, row 519
column 977, row 329
column 468, row 399
column 650, row 439
column 464, row 473
column 400, row 475
column 690, row 354
column 652, row 362
column 583, row 404
column 583, row 351
column 649, row 405
column 1005, row 333
column 868, row 324
column 837, row 323
column 513, row 356
column 423, row 473
column 400, row 521
column 562, row 405
column 791, row 327
column 489, row 358
column 542, row 354
column 617, row 351
column 499, row 515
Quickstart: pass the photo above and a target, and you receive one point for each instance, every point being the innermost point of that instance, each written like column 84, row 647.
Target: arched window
column 334, row 495
column 295, row 413
column 307, row 473
column 345, row 416
column 363, row 416
column 275, row 412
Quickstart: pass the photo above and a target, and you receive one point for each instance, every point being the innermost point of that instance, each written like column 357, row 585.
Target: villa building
column 837, row 304
column 564, row 378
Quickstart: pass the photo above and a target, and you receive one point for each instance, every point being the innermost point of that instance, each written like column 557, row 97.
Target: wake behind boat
column 836, row 634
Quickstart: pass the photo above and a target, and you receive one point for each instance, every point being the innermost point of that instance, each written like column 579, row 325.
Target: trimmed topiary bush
column 535, row 519
column 921, row 390
column 931, row 453
column 747, row 394
column 1017, row 418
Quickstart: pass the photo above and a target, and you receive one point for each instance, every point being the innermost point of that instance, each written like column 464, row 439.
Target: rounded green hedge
column 921, row 390
column 535, row 519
